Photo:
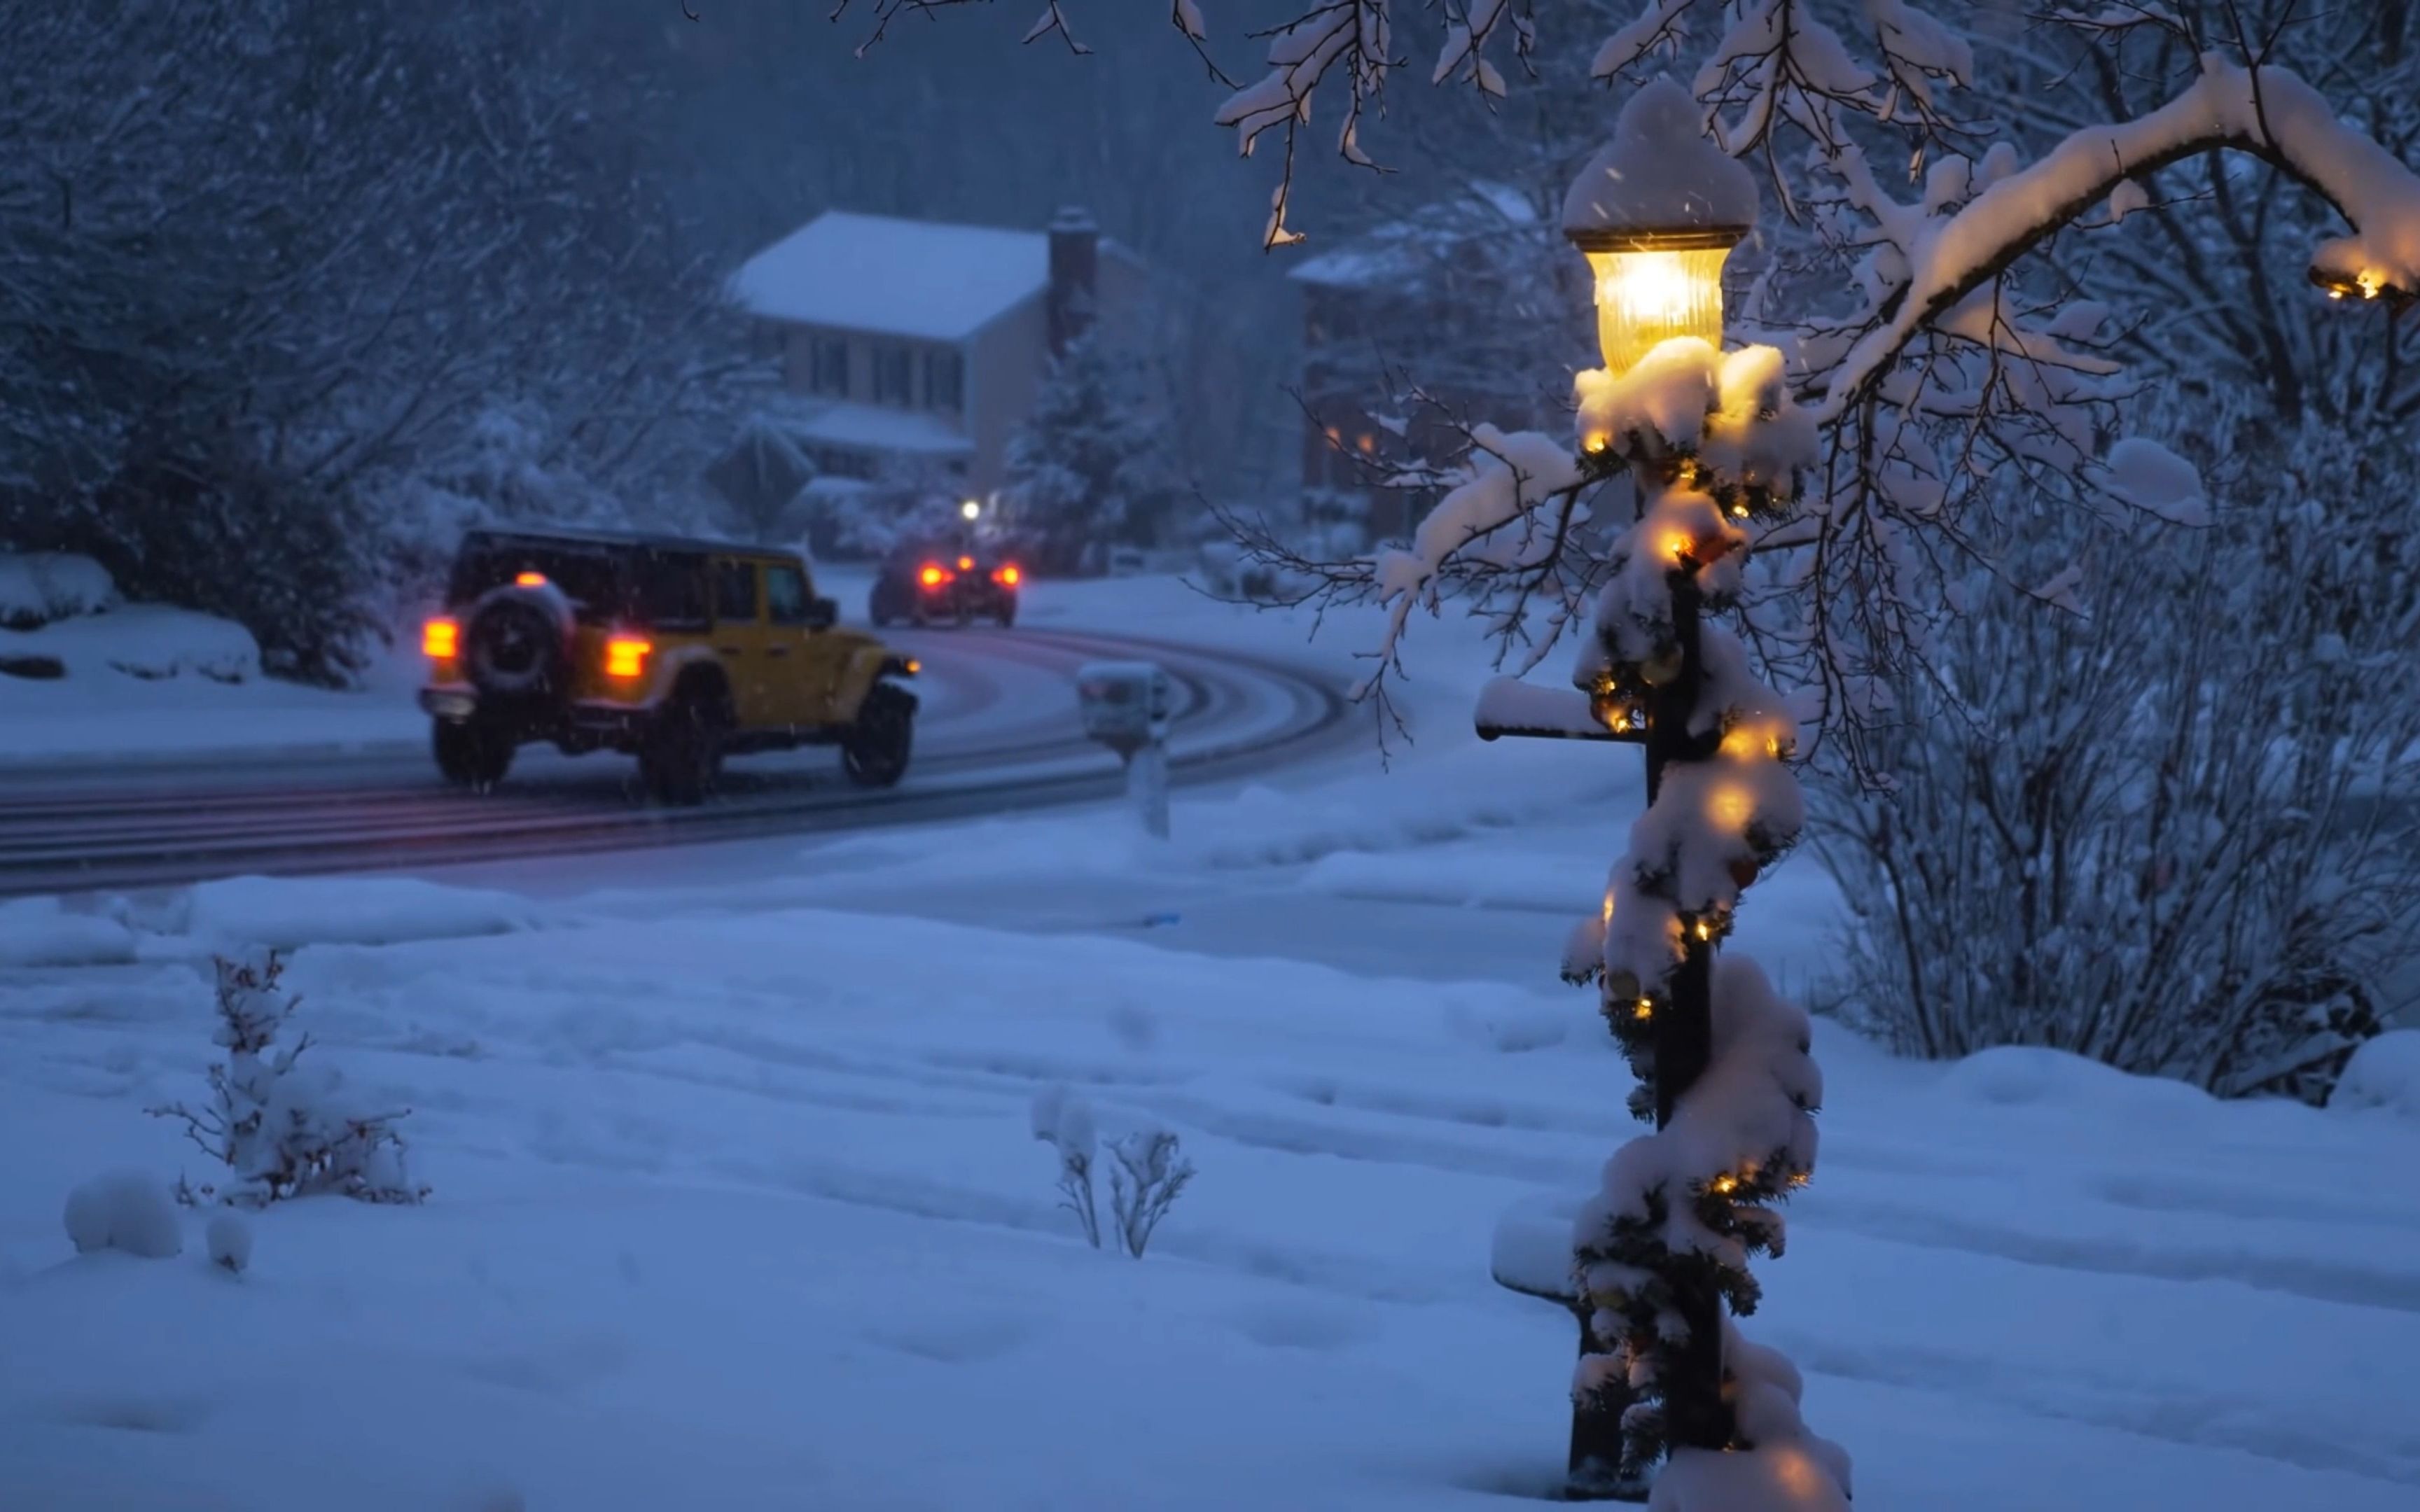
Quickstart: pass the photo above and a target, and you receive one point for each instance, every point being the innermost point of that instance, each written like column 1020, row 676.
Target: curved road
column 998, row 730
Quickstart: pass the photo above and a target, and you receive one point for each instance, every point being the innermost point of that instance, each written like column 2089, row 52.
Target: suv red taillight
column 935, row 575
column 440, row 639
column 625, row 655
column 1007, row 577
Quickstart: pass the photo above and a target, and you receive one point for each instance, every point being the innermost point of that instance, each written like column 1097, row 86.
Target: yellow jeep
column 680, row 652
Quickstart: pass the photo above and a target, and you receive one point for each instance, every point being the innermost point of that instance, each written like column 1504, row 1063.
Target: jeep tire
column 874, row 750
column 680, row 756
column 470, row 753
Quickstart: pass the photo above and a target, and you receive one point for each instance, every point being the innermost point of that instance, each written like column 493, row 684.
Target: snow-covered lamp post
column 1712, row 447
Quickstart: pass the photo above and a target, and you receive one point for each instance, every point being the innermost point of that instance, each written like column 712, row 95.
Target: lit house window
column 895, row 375
column 945, row 380
column 828, row 373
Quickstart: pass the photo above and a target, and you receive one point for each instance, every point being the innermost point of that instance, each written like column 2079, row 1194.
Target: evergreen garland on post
column 1714, row 447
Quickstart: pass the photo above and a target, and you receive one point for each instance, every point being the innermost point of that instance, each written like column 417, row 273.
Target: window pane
column 894, row 376
column 586, row 578
column 944, row 380
column 669, row 590
column 832, row 366
column 735, row 592
column 785, row 593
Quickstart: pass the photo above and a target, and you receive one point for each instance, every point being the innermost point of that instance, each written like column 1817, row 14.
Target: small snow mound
column 40, row 931
column 230, row 1239
column 2011, row 1074
column 2383, row 1074
column 127, row 1210
column 286, row 914
column 40, row 587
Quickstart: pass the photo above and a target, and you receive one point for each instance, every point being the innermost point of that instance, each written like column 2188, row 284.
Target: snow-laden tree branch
column 2266, row 112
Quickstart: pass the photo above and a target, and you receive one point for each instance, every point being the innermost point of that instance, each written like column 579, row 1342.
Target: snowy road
column 998, row 732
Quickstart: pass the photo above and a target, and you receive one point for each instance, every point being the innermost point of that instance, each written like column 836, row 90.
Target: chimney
column 1075, row 266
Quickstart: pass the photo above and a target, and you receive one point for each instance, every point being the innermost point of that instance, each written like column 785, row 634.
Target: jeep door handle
column 777, row 651
column 730, row 651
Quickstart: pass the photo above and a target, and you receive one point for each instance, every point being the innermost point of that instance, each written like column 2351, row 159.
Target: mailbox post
column 1126, row 707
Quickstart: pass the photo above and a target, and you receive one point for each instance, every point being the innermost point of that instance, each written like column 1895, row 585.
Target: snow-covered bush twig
column 283, row 1130
column 1147, row 1174
column 1147, row 1177
column 1063, row 1120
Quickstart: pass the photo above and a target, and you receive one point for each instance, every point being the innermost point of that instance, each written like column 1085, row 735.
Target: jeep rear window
column 589, row 578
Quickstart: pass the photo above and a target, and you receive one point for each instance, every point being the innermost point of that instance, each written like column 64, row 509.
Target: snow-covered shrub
column 2180, row 852
column 1146, row 1177
column 1147, row 1172
column 229, row 1240
column 1063, row 1120
column 283, row 1129
column 153, row 643
column 128, row 1210
column 39, row 587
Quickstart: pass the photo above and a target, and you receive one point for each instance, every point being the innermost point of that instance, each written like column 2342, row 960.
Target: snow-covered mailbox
column 1126, row 706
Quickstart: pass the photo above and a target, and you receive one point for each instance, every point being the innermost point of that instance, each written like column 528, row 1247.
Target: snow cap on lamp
column 1659, row 179
column 1657, row 212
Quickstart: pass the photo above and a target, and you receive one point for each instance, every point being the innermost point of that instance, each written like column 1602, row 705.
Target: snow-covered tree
column 280, row 1128
column 264, row 265
column 1091, row 464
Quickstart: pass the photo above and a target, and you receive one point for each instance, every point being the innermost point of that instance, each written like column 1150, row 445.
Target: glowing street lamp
column 1657, row 212
column 971, row 510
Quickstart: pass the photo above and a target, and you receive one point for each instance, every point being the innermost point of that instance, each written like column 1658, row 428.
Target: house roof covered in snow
column 928, row 280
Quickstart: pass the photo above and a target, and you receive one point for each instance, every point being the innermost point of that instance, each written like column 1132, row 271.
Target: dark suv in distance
column 678, row 652
column 927, row 582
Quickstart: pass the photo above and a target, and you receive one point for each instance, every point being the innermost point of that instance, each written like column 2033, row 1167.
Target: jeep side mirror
column 823, row 613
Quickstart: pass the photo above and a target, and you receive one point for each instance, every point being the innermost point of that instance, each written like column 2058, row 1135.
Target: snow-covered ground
column 737, row 1206
column 737, row 1203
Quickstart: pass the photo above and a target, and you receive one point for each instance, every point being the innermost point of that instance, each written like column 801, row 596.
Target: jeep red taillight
column 1007, row 577
column 440, row 639
column 625, row 655
column 933, row 574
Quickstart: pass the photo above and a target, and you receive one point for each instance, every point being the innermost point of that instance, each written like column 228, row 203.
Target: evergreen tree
column 1092, row 462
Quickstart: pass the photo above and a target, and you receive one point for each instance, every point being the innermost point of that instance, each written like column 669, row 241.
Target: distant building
column 1398, row 304
column 921, row 342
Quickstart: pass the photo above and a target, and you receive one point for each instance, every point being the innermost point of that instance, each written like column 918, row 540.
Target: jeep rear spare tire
column 874, row 750
column 515, row 649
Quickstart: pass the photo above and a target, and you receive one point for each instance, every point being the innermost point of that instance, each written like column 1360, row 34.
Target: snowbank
column 2383, row 1074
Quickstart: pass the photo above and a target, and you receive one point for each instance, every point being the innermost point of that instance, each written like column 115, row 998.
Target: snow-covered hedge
column 38, row 588
column 150, row 642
